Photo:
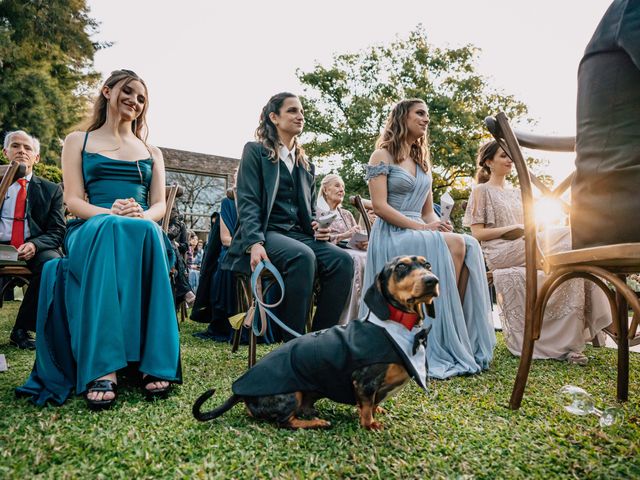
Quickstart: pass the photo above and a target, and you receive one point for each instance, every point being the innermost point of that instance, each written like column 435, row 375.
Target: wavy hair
column 98, row 116
column 394, row 136
column 486, row 152
column 267, row 133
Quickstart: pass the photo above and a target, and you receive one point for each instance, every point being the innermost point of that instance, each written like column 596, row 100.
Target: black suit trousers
column 299, row 257
column 29, row 308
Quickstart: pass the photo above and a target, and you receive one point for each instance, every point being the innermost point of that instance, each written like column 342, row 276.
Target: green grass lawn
column 460, row 429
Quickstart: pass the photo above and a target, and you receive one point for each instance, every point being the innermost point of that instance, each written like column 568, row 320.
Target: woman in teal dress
column 462, row 338
column 108, row 304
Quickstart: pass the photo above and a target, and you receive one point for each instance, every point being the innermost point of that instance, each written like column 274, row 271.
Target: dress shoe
column 22, row 339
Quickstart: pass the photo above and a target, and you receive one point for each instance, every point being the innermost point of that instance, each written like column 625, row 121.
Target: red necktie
column 17, row 232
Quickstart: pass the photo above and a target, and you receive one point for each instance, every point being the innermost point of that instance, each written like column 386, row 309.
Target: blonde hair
column 394, row 136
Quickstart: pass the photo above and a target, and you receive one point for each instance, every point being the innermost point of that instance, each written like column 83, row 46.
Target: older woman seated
column 342, row 229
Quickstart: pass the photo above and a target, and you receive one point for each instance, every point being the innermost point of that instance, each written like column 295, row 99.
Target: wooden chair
column 172, row 192
column 10, row 173
column 611, row 263
column 357, row 201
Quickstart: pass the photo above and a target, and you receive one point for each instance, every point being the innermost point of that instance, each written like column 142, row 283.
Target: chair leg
column 525, row 361
column 252, row 348
column 623, row 348
column 236, row 340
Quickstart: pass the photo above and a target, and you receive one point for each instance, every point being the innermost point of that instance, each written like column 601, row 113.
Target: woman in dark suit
column 276, row 211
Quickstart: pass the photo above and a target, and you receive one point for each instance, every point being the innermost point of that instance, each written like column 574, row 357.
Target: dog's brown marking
column 296, row 423
column 396, row 375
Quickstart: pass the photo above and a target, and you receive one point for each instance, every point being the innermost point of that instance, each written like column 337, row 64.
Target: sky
column 210, row 66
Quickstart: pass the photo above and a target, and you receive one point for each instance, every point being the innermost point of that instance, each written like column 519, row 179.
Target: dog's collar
column 407, row 320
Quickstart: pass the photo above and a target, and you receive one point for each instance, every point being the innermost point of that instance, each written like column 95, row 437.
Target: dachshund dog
column 362, row 363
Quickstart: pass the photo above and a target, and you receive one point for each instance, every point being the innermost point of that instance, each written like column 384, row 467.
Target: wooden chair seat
column 622, row 258
column 605, row 266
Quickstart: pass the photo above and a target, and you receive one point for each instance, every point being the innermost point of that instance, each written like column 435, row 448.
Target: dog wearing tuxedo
column 362, row 363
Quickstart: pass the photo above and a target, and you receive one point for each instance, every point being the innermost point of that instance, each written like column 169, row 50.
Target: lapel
column 34, row 200
column 34, row 195
column 305, row 184
column 271, row 176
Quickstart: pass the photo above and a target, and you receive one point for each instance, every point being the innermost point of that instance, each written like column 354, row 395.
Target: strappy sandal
column 577, row 358
column 155, row 393
column 103, row 385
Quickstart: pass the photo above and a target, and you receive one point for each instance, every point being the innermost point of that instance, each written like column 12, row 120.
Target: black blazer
column 258, row 181
column 45, row 214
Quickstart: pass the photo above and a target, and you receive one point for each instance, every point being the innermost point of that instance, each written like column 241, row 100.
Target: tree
column 347, row 103
column 202, row 195
column 46, row 55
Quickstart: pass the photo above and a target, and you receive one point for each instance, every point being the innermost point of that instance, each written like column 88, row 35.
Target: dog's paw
column 377, row 426
column 380, row 410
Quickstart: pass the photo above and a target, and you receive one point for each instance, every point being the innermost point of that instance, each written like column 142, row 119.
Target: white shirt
column 403, row 339
column 287, row 156
column 8, row 208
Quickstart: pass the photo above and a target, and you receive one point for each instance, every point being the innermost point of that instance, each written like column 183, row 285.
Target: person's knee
column 346, row 264
column 457, row 247
column 41, row 257
column 300, row 269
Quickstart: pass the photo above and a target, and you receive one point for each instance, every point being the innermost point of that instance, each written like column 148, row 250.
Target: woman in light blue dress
column 462, row 338
column 109, row 304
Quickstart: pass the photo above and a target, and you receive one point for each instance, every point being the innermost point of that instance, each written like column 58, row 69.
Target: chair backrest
column 508, row 140
column 10, row 173
column 356, row 201
column 171, row 193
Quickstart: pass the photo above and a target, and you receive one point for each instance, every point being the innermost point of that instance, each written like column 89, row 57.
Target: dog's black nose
column 430, row 281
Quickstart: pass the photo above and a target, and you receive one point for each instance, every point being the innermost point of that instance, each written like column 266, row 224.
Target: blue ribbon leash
column 259, row 321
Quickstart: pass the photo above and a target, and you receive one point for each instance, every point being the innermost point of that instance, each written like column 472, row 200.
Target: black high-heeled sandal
column 155, row 393
column 103, row 385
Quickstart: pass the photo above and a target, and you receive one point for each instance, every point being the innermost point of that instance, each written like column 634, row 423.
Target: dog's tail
column 216, row 412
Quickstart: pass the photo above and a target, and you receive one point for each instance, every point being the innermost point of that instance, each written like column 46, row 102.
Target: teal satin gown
column 109, row 302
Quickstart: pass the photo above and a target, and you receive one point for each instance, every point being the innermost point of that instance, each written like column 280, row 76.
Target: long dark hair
column 99, row 114
column 394, row 136
column 486, row 152
column 267, row 133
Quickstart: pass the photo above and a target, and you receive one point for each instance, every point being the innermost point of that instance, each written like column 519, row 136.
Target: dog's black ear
column 376, row 302
column 431, row 309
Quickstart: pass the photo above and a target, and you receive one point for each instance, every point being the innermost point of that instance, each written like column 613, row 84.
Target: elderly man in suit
column 33, row 222
column 605, row 199
column 276, row 199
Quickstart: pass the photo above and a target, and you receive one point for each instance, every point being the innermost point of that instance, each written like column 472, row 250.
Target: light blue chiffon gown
column 462, row 337
column 108, row 303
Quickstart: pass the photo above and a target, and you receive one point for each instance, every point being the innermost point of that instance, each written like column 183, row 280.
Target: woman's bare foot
column 98, row 396
column 155, row 385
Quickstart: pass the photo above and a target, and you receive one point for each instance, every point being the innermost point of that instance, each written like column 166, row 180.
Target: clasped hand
column 127, row 207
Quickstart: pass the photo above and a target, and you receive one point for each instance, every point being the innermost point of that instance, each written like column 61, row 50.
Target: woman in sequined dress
column 576, row 311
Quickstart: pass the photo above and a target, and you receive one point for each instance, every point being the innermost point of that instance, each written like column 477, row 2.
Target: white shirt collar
column 287, row 156
column 284, row 152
